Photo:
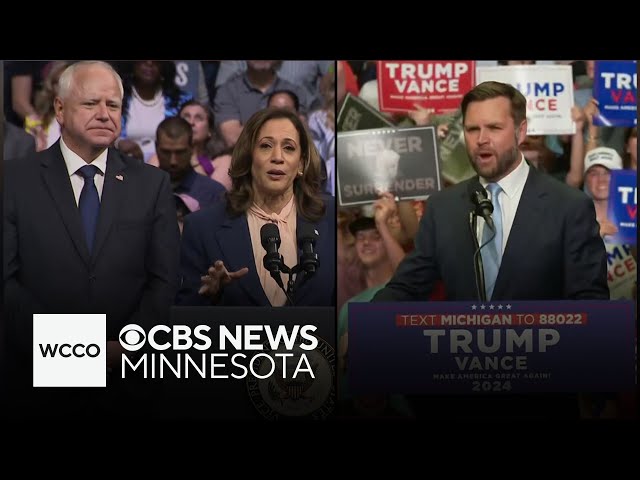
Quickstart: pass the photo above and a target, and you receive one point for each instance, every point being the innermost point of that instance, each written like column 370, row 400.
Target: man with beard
column 547, row 244
column 544, row 244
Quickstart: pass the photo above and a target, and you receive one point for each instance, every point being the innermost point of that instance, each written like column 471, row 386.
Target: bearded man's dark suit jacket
column 554, row 250
column 131, row 274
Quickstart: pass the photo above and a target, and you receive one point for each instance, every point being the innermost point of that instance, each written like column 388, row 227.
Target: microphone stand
column 477, row 259
column 292, row 286
column 301, row 276
column 275, row 274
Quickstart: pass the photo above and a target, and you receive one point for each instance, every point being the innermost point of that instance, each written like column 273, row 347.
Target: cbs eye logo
column 132, row 337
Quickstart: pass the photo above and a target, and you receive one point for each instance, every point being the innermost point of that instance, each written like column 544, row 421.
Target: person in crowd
column 306, row 74
column 174, row 144
column 244, row 94
column 630, row 160
column 284, row 99
column 150, row 96
column 43, row 103
column 210, row 156
column 22, row 79
column 372, row 236
column 622, row 268
column 322, row 127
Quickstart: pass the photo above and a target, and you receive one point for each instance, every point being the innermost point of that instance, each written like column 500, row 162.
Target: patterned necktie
column 89, row 203
column 492, row 252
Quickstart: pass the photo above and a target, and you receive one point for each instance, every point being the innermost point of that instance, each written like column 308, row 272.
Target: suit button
column 92, row 278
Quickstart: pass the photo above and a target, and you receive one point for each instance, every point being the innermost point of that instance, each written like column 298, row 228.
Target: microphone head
column 307, row 233
column 307, row 237
column 476, row 191
column 479, row 197
column 269, row 233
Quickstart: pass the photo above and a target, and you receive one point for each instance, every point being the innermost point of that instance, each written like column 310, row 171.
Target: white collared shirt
column 509, row 197
column 75, row 163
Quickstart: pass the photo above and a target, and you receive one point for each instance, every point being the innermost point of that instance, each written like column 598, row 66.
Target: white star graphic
column 482, row 307
column 508, row 307
column 473, row 307
column 499, row 307
column 491, row 307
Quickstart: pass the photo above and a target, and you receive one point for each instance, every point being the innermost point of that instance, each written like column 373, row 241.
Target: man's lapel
column 112, row 194
column 58, row 183
column 528, row 220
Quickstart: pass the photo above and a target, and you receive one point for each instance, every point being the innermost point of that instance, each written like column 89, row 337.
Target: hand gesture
column 591, row 110
column 578, row 116
column 217, row 277
column 421, row 116
column 384, row 207
column 442, row 131
column 607, row 228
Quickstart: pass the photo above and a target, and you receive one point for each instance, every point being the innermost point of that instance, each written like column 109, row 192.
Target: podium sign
column 498, row 347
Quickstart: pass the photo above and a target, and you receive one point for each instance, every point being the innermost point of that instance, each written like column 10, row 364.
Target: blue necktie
column 492, row 252
column 89, row 203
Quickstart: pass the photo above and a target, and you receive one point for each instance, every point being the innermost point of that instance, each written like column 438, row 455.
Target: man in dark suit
column 126, row 266
column 17, row 142
column 550, row 247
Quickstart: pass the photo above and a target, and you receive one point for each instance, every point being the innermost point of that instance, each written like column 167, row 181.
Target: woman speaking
column 276, row 177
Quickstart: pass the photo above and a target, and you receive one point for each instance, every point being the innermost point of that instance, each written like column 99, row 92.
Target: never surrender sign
column 403, row 161
column 434, row 84
column 497, row 347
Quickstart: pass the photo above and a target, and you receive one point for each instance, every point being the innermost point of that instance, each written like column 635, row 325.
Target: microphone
column 272, row 261
column 270, row 239
column 483, row 206
column 307, row 237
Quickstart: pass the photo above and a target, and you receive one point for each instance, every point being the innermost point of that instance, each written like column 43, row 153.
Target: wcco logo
column 66, row 350
column 69, row 350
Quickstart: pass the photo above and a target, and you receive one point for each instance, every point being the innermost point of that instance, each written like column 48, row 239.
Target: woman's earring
column 300, row 174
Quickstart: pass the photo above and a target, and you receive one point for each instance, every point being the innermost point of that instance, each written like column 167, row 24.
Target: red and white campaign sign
column 435, row 84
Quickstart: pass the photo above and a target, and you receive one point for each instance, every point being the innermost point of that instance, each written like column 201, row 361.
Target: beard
column 495, row 171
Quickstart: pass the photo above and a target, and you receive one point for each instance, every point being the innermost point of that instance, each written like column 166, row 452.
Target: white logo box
column 75, row 347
